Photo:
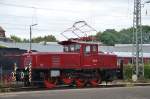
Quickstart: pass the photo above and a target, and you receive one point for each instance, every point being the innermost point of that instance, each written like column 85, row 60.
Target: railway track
column 18, row 89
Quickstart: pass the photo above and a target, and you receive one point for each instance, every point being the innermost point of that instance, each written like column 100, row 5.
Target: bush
column 147, row 71
column 128, row 70
column 1, row 46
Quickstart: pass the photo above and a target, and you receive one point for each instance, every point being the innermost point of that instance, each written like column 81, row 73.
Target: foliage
column 124, row 36
column 128, row 71
column 146, row 34
column 49, row 38
column 147, row 71
column 108, row 37
column 25, row 40
column 15, row 38
column 1, row 46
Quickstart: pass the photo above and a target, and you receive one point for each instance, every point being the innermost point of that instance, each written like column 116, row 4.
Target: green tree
column 15, row 38
column 146, row 34
column 124, row 36
column 108, row 37
column 49, row 38
column 25, row 41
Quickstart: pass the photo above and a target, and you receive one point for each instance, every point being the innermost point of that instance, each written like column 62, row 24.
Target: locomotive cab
column 80, row 47
column 88, row 52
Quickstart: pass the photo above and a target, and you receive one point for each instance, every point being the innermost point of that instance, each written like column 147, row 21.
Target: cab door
column 90, row 56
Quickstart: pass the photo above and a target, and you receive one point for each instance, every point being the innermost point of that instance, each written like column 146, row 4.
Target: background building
column 2, row 32
column 3, row 36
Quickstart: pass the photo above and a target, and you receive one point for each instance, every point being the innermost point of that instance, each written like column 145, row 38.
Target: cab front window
column 72, row 48
column 94, row 48
column 66, row 49
column 87, row 49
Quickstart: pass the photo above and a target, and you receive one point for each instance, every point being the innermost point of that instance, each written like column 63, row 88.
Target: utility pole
column 137, row 58
column 1, row 74
column 30, row 64
column 31, row 36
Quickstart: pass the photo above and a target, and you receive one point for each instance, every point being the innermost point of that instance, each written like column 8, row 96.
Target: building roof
column 1, row 29
column 123, row 45
column 35, row 46
column 129, row 54
column 146, row 49
column 121, row 51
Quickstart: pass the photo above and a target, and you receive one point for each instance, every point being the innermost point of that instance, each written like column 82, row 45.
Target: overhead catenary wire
column 35, row 7
column 25, row 29
column 41, row 8
column 48, row 9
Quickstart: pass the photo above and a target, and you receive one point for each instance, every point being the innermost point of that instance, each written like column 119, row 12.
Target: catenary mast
column 137, row 40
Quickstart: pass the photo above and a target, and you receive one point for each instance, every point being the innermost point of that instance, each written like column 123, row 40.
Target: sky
column 55, row 16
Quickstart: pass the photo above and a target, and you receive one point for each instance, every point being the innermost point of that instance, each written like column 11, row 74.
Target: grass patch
column 1, row 46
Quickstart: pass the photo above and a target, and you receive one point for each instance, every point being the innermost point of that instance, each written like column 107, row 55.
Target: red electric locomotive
column 80, row 64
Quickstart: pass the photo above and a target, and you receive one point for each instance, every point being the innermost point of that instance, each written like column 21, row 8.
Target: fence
column 6, row 77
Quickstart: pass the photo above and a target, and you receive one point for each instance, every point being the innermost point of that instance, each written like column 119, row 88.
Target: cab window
column 72, row 48
column 77, row 48
column 66, row 49
column 87, row 49
column 94, row 48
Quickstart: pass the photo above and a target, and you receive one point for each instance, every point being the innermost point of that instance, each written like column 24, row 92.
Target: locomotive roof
column 78, row 42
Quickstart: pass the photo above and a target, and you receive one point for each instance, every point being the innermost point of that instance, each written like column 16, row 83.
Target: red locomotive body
column 79, row 64
column 86, row 56
column 50, row 60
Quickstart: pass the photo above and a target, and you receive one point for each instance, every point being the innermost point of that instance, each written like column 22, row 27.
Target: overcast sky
column 54, row 16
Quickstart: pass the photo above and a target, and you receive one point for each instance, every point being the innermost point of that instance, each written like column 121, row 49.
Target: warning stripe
column 30, row 72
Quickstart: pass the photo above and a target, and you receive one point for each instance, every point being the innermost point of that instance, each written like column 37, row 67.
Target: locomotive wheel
column 52, row 83
column 80, row 83
column 67, row 81
column 95, row 82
